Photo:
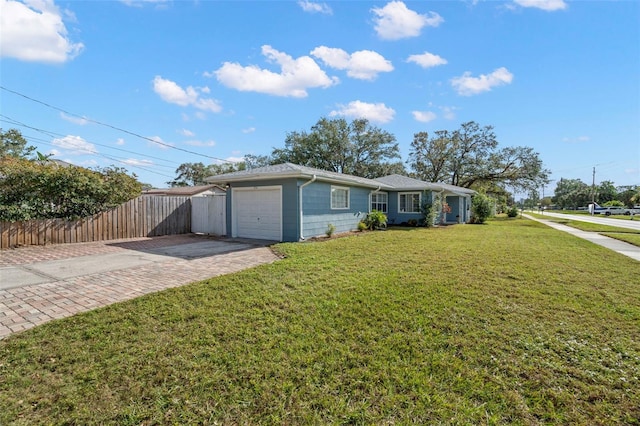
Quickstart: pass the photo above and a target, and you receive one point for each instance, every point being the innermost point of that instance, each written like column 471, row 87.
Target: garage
column 257, row 213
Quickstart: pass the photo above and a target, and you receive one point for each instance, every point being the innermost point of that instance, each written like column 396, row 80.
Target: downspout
column 313, row 179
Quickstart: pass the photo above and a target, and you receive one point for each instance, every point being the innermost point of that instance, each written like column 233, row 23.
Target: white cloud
column 363, row 64
column 140, row 3
column 136, row 162
column 396, row 21
column 187, row 133
column 295, row 77
column 171, row 92
column 313, row 7
column 448, row 113
column 424, row 116
column 378, row 113
column 159, row 143
column 466, row 85
column 548, row 5
column 120, row 141
column 579, row 139
column 427, row 60
column 72, row 119
column 200, row 143
column 75, row 144
column 34, row 31
column 249, row 130
column 234, row 159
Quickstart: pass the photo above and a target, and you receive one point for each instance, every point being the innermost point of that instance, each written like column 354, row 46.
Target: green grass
column 509, row 322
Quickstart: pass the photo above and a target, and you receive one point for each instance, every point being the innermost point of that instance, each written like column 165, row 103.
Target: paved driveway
column 41, row 283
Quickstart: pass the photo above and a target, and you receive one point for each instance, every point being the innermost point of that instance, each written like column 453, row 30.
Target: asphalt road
column 603, row 220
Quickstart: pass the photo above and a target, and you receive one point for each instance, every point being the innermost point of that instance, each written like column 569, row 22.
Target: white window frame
column 348, row 196
column 378, row 203
column 400, row 194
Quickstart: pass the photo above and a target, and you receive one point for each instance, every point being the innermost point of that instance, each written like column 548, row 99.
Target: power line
column 111, row 126
column 88, row 151
column 12, row 121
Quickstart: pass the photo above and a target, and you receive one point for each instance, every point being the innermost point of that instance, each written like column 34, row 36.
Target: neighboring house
column 287, row 202
column 187, row 191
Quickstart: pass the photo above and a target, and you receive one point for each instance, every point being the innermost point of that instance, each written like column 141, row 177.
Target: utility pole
column 593, row 192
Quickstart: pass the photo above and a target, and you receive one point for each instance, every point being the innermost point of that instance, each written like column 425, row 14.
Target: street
column 620, row 223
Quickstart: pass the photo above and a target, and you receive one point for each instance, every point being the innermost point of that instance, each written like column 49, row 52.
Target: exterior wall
column 316, row 206
column 395, row 217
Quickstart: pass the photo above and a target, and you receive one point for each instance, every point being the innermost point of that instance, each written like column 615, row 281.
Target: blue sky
column 96, row 83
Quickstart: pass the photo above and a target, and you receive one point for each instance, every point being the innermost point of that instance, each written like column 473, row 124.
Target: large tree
column 13, row 144
column 572, row 193
column 355, row 148
column 470, row 157
column 191, row 174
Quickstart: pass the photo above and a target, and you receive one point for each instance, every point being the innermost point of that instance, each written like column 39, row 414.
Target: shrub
column 430, row 214
column 362, row 226
column 512, row 212
column 481, row 207
column 375, row 220
column 330, row 230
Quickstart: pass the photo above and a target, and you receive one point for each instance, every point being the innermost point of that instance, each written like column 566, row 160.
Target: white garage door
column 257, row 213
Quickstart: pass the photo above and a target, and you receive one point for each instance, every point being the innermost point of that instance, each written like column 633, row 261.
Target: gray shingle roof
column 406, row 183
column 289, row 170
column 181, row 190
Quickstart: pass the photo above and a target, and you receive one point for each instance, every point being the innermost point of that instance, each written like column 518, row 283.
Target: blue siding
column 316, row 200
column 395, row 217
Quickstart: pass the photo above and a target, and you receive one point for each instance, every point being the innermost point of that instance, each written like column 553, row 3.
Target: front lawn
column 508, row 322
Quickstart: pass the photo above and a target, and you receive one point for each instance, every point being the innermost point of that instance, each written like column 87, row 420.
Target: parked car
column 608, row 211
column 632, row 211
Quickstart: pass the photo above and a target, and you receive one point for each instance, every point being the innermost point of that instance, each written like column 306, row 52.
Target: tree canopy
column 13, row 144
column 193, row 174
column 470, row 157
column 45, row 190
column 355, row 148
column 32, row 186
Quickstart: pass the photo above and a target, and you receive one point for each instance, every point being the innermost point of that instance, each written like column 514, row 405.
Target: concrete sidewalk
column 621, row 247
column 41, row 283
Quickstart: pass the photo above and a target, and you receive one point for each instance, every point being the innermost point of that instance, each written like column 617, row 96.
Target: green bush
column 331, row 228
column 34, row 190
column 376, row 220
column 430, row 213
column 481, row 208
column 512, row 212
column 362, row 226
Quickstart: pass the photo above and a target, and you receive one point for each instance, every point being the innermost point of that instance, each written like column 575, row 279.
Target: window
column 339, row 197
column 409, row 202
column 379, row 201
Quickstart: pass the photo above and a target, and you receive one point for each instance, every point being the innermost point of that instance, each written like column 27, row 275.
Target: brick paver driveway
column 41, row 283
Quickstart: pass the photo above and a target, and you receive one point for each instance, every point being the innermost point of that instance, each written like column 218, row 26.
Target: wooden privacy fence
column 145, row 216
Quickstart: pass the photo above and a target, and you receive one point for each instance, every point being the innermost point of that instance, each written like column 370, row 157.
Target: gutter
column 313, row 179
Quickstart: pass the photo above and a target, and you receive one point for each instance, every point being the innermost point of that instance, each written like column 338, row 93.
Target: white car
column 608, row 211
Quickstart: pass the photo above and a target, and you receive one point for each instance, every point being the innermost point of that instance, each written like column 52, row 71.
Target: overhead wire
column 12, row 121
column 111, row 126
column 112, row 158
